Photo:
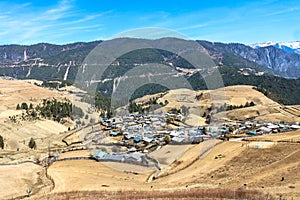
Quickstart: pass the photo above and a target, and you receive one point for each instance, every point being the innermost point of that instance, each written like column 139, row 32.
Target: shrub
column 167, row 139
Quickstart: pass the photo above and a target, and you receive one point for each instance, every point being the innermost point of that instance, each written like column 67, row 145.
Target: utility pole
column 49, row 148
column 48, row 159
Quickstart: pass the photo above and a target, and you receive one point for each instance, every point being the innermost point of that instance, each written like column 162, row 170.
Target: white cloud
column 284, row 11
column 24, row 23
column 63, row 6
column 195, row 26
column 82, row 27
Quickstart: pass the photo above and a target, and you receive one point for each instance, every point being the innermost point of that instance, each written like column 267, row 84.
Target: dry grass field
column 207, row 163
column 71, row 154
column 293, row 137
column 16, row 179
column 191, row 155
column 91, row 175
column 18, row 91
column 168, row 154
column 275, row 170
column 17, row 135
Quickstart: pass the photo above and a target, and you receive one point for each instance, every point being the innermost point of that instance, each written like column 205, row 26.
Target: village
column 132, row 138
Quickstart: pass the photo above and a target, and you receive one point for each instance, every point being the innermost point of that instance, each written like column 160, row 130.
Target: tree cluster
column 133, row 107
column 24, row 106
column 57, row 83
column 51, row 109
column 226, row 107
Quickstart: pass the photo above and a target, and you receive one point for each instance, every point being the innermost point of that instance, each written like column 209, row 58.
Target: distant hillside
column 43, row 61
column 281, row 90
column 270, row 58
column 51, row 53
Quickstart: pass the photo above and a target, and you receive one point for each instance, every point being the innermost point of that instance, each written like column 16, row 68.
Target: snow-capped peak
column 264, row 44
column 293, row 47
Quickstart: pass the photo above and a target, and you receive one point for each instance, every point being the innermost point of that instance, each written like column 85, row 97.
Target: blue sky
column 65, row 21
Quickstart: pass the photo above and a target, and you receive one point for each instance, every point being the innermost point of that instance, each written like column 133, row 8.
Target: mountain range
column 281, row 59
column 272, row 67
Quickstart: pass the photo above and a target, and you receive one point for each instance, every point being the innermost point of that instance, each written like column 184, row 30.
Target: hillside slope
column 17, row 134
column 265, row 109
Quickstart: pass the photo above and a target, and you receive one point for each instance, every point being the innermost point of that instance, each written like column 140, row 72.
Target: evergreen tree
column 1, row 142
column 32, row 143
column 247, row 104
column 208, row 119
column 24, row 106
column 230, row 107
